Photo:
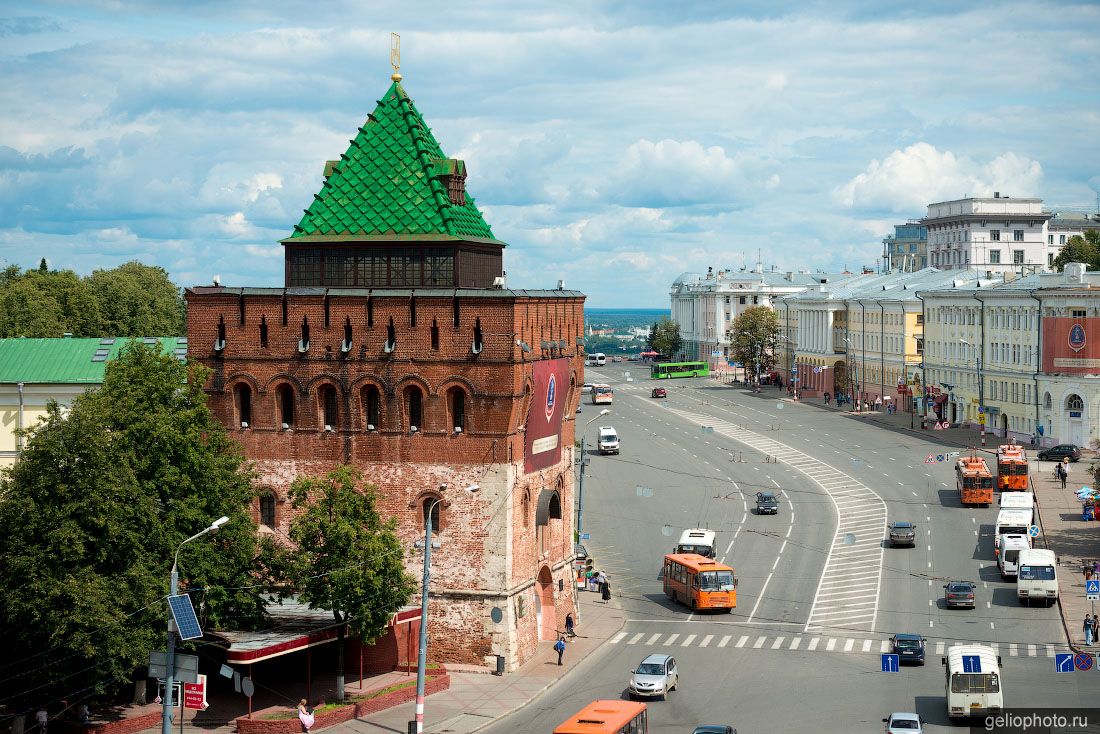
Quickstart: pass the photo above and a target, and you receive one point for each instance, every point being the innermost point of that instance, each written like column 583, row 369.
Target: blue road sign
column 586, row 536
column 1092, row 586
column 1033, row 531
column 1082, row 661
column 890, row 663
column 1063, row 662
column 794, row 370
column 972, row 664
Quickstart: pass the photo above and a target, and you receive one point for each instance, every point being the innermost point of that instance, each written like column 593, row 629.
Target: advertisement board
column 194, row 694
column 1071, row 346
column 542, row 442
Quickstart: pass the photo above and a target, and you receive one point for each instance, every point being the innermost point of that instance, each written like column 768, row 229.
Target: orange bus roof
column 1010, row 448
column 696, row 562
column 601, row 716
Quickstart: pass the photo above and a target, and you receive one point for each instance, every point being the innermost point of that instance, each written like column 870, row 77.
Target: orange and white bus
column 602, row 393
column 607, row 717
column 974, row 482
column 1011, row 468
column 699, row 582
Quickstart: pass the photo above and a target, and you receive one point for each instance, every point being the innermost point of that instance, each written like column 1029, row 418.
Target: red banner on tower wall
column 542, row 443
column 1071, row 346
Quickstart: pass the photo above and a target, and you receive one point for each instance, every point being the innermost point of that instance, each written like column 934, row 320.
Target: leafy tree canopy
column 1080, row 250
column 90, row 518
column 130, row 300
column 665, row 337
column 753, row 339
column 347, row 560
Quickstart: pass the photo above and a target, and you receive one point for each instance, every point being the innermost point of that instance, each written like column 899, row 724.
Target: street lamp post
column 170, row 656
column 422, row 653
column 584, row 463
column 981, row 389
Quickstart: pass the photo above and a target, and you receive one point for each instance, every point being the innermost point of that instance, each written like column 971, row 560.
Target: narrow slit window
column 435, row 335
column 263, row 332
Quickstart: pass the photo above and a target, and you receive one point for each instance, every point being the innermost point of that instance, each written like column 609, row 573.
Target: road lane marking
column 634, row 640
column 688, row 640
column 813, row 644
column 725, row 640
column 742, row 641
column 761, row 597
column 1013, row 650
column 1032, row 650
column 867, row 645
column 778, row 643
column 759, row 643
column 672, row 638
column 939, row 648
column 885, row 646
column 653, row 638
column 617, row 637
column 830, row 645
column 795, row 643
column 849, row 644
column 706, row 640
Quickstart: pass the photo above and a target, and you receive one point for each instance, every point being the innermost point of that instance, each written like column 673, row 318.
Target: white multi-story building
column 705, row 306
column 998, row 234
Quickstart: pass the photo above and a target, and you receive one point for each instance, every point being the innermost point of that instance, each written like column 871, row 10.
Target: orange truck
column 974, row 481
column 1011, row 468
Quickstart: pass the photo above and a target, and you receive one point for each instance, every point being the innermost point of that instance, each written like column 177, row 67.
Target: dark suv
column 1059, row 452
column 903, row 533
column 767, row 503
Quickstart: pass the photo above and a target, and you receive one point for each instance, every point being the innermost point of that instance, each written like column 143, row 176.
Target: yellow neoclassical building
column 35, row 371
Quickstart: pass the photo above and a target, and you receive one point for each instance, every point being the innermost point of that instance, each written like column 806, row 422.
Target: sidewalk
column 1073, row 540
column 476, row 700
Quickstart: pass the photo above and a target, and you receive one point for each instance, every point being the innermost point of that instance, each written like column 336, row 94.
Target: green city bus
column 679, row 369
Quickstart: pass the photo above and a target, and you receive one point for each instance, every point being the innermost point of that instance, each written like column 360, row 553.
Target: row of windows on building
column 328, row 406
column 1025, row 319
column 996, row 353
column 961, row 233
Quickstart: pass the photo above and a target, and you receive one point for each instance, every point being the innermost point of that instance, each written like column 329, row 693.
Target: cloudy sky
column 613, row 144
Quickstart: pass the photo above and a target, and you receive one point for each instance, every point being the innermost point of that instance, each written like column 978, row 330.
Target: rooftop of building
column 389, row 292
column 760, row 277
column 69, row 360
column 393, row 181
column 892, row 286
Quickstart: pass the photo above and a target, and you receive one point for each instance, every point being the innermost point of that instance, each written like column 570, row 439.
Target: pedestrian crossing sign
column 1092, row 590
column 930, row 460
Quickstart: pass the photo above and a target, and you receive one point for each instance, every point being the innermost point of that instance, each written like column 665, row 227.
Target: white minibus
column 697, row 540
column 1037, row 576
column 598, row 359
column 1017, row 501
column 1008, row 560
column 973, row 681
column 1012, row 521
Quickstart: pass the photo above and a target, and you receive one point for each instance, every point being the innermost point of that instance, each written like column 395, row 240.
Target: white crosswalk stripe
column 687, row 640
column 725, row 640
column 706, row 640
column 742, row 641
column 634, row 640
column 617, row 638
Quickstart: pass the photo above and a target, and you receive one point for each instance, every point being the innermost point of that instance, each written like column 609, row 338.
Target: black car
column 714, row 729
column 1061, row 451
column 767, row 503
column 909, row 648
column 959, row 594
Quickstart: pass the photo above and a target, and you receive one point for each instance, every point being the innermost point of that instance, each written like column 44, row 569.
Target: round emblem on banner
column 1077, row 338
column 551, row 395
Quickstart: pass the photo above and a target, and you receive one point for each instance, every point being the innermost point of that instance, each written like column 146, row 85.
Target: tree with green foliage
column 753, row 338
column 1080, row 250
column 347, row 560
column 90, row 517
column 130, row 300
column 666, row 337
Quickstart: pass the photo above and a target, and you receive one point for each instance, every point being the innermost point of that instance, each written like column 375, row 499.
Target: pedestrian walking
column 826, row 398
column 570, row 625
column 83, row 715
column 1061, row 473
column 1095, row 628
column 1088, row 629
column 605, row 591
column 305, row 715
column 559, row 647
column 43, row 718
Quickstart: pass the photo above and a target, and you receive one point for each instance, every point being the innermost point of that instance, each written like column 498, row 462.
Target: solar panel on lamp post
column 170, row 657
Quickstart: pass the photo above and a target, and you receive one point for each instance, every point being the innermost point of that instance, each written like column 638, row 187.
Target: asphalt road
column 818, row 594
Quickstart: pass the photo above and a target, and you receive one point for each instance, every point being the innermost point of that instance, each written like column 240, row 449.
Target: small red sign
column 194, row 694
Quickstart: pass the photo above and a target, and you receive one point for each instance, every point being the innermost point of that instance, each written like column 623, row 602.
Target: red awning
column 941, row 399
column 650, row 353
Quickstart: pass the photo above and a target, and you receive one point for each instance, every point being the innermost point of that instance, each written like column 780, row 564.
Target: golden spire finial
column 395, row 56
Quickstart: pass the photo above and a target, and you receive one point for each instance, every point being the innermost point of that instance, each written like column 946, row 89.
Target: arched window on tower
column 456, row 402
column 372, row 407
column 329, row 411
column 284, row 398
column 242, row 400
column 414, row 407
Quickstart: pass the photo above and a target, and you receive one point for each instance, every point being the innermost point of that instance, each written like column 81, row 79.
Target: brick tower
column 395, row 345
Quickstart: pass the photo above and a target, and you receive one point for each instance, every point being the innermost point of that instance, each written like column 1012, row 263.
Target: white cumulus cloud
column 907, row 180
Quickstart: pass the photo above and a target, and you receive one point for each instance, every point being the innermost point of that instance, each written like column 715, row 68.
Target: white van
column 1037, row 576
column 697, row 540
column 1008, row 560
column 973, row 692
column 1017, row 501
column 1012, row 521
column 609, row 441
column 599, row 359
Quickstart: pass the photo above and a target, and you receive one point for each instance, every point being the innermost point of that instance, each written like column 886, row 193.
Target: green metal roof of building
column 68, row 360
column 388, row 183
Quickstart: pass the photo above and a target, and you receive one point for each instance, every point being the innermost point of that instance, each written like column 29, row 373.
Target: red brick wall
column 489, row 549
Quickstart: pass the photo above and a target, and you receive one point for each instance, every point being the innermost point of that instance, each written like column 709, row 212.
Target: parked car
column 959, row 594
column 658, row 392
column 903, row 533
column 586, row 388
column 909, row 648
column 654, row 676
column 904, row 723
column 767, row 503
column 1061, row 451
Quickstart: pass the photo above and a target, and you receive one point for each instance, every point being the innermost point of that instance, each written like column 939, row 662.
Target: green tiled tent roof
column 70, row 361
column 387, row 183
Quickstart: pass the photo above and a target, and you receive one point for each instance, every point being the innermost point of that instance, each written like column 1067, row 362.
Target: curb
column 1061, row 609
column 554, row 681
